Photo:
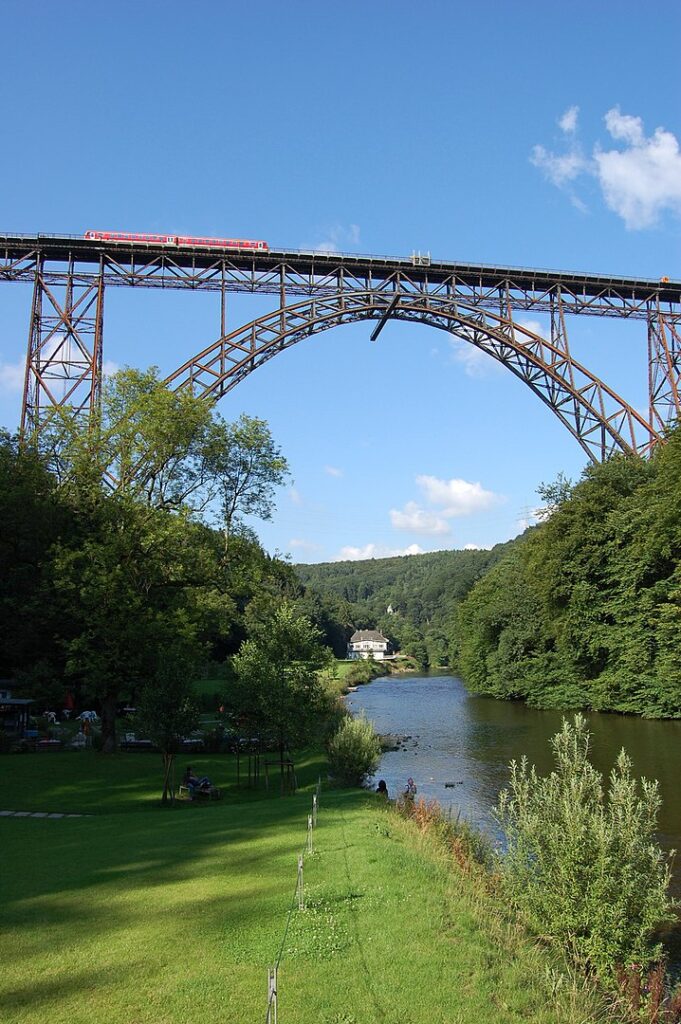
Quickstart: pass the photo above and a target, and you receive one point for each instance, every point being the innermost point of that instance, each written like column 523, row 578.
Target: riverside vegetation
column 585, row 611
column 580, row 866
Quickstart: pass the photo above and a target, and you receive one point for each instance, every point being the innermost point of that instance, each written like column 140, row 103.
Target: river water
column 461, row 746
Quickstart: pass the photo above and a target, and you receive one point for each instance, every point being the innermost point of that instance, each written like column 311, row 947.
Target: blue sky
column 520, row 133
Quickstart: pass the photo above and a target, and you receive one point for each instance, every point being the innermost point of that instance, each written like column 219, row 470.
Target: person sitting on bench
column 195, row 784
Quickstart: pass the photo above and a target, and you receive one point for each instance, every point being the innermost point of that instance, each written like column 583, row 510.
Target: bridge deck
column 15, row 248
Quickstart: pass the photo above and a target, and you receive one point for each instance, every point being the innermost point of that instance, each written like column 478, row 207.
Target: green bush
column 583, row 866
column 354, row 750
column 363, row 671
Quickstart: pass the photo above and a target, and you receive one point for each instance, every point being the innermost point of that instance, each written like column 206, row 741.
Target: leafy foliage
column 354, row 750
column 278, row 691
column 167, row 712
column 112, row 560
column 583, row 866
column 32, row 519
column 585, row 610
column 168, row 449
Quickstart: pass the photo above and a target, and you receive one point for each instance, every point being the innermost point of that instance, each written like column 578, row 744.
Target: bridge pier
column 664, row 368
column 65, row 347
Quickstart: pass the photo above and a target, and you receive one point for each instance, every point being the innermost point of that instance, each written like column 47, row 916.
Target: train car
column 177, row 240
column 222, row 243
column 124, row 236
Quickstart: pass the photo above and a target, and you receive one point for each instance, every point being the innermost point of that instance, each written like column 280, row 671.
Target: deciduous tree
column 278, row 686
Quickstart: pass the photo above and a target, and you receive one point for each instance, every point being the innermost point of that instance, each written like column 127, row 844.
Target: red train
column 214, row 243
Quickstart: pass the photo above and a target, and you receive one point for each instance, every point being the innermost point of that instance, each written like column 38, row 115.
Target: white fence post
column 301, row 892
column 272, row 995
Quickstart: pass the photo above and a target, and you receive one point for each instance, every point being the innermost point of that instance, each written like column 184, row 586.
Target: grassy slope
column 140, row 915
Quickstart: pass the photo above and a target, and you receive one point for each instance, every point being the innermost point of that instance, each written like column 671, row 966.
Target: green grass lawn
column 140, row 914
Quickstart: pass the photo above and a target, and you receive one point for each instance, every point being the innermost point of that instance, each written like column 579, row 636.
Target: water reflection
column 462, row 744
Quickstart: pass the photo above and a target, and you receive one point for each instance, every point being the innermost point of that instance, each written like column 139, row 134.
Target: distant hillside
column 422, row 592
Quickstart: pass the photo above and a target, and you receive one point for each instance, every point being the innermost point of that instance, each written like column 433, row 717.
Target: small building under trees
column 368, row 643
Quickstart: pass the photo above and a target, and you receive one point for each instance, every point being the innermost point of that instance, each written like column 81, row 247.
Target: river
column 461, row 746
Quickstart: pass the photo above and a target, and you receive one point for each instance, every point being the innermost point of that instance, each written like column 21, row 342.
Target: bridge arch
column 601, row 421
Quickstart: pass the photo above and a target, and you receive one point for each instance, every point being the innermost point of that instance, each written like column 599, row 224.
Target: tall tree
column 167, row 712
column 140, row 571
column 168, row 449
column 32, row 518
column 278, row 687
column 130, row 581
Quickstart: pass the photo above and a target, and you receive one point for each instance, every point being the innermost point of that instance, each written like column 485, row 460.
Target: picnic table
column 130, row 742
column 48, row 745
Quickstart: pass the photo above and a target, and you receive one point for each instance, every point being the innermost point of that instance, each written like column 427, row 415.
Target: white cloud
column 295, row 496
column 475, row 362
column 109, row 368
column 560, row 168
column 477, row 547
column 333, row 471
column 352, row 554
column 568, row 122
column 642, row 181
column 303, row 545
column 12, row 376
column 456, row 497
column 451, row 498
column 625, row 127
column 535, row 327
column 639, row 182
column 418, row 520
column 532, row 517
column 338, row 238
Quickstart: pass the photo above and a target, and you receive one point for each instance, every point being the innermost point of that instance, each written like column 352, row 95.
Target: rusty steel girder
column 476, row 302
column 65, row 345
column 596, row 416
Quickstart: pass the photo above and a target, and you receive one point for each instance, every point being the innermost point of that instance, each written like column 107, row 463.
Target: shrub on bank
column 582, row 865
column 363, row 671
column 354, row 750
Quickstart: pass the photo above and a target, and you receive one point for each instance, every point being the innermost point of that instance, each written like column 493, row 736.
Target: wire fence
column 297, row 902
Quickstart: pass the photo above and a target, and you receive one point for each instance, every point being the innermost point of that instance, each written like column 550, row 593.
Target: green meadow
column 141, row 915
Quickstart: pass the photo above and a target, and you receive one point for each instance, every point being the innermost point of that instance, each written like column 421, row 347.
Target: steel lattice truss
column 594, row 415
column 474, row 302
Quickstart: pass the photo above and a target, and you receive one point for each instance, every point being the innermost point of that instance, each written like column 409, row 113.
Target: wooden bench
column 200, row 792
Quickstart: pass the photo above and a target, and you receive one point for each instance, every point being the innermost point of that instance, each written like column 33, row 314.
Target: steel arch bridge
column 315, row 291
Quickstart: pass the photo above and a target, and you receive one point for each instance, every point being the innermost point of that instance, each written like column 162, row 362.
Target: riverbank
column 461, row 746
column 345, row 676
column 172, row 917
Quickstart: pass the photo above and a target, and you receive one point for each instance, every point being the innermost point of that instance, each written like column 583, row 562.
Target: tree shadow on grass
column 215, row 867
column 46, row 990
column 91, row 783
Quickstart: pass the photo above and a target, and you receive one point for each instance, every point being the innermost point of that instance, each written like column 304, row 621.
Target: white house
column 368, row 643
